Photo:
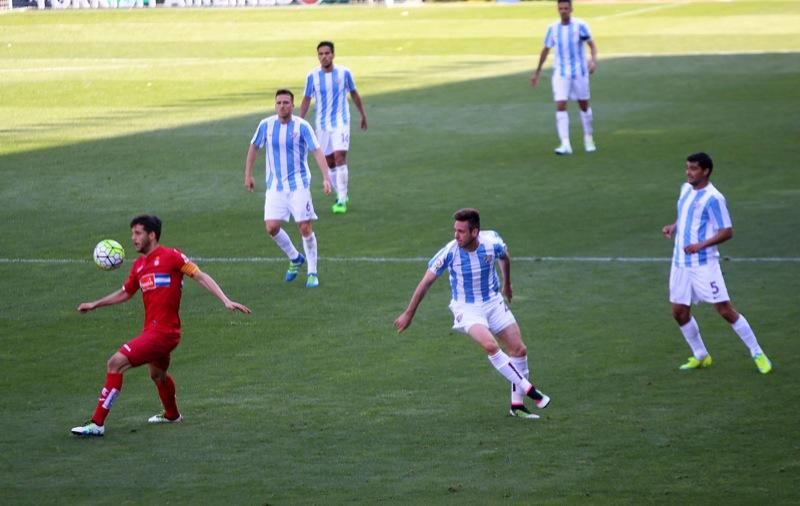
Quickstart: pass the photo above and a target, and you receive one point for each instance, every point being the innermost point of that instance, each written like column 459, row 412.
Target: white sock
column 502, row 363
column 310, row 247
column 343, row 178
column 284, row 242
column 586, row 119
column 691, row 332
column 521, row 365
column 562, row 126
column 332, row 174
column 748, row 337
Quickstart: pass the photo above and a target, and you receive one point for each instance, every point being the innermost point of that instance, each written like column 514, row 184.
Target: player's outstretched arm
column 116, row 297
column 403, row 321
column 209, row 284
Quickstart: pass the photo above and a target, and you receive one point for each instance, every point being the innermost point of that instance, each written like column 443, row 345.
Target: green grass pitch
column 314, row 399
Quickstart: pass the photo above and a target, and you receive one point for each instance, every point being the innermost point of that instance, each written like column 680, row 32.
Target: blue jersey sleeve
column 309, row 91
column 500, row 250
column 309, row 137
column 441, row 260
column 260, row 136
column 718, row 211
column 499, row 247
column 583, row 32
column 549, row 38
column 349, row 82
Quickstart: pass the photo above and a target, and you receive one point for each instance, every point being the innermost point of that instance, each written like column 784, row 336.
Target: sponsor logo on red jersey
column 154, row 280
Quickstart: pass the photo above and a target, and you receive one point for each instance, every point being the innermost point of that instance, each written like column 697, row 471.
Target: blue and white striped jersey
column 287, row 147
column 701, row 214
column 473, row 277
column 329, row 90
column 568, row 42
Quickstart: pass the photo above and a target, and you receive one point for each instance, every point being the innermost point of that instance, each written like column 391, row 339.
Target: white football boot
column 588, row 144
column 161, row 418
column 89, row 429
column 563, row 149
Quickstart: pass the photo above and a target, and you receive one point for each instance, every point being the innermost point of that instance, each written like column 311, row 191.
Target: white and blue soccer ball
column 108, row 254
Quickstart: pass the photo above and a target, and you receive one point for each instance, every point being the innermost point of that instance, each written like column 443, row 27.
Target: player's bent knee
column 117, row 363
column 518, row 351
column 158, row 376
column 726, row 311
column 305, row 228
column 490, row 348
column 681, row 314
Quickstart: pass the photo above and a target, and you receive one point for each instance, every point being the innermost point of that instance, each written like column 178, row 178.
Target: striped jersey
column 701, row 214
column 568, row 44
column 287, row 147
column 329, row 90
column 473, row 277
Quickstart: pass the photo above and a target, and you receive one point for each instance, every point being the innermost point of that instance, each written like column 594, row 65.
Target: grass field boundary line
column 400, row 260
column 642, row 10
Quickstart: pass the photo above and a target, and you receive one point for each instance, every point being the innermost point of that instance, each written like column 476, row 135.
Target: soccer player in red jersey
column 158, row 273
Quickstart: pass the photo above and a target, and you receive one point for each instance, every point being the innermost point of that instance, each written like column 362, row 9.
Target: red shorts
column 152, row 346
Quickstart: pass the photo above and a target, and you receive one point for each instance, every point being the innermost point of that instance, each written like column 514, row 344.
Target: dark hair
column 149, row 222
column 703, row 160
column 471, row 216
column 326, row 43
column 564, row 2
column 285, row 91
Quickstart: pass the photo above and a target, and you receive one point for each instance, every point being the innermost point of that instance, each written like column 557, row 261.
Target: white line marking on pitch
column 643, row 10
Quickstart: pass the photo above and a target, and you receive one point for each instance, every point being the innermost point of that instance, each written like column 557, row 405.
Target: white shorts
column 337, row 139
column 690, row 285
column 569, row 88
column 281, row 205
column 493, row 314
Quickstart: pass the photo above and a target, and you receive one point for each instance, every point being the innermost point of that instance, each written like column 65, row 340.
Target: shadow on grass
column 484, row 142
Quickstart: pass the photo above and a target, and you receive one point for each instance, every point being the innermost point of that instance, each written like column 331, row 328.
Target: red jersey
column 160, row 277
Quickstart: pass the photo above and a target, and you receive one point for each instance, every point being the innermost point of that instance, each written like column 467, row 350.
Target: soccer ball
column 108, row 254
